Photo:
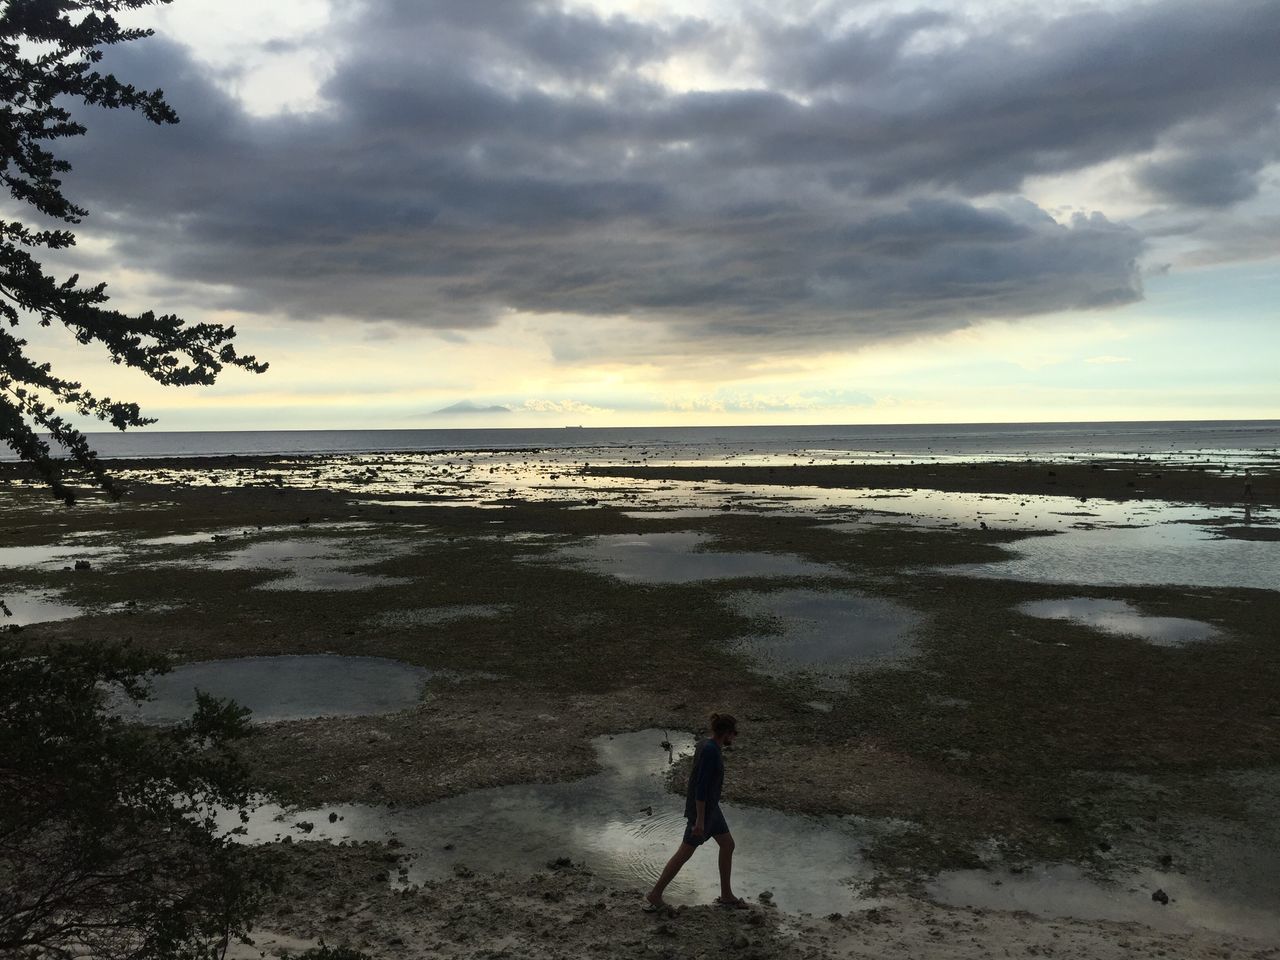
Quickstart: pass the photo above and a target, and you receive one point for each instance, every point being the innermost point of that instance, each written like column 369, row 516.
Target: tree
column 107, row 836
column 49, row 50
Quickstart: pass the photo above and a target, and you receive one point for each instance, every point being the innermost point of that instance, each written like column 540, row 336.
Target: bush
column 108, row 839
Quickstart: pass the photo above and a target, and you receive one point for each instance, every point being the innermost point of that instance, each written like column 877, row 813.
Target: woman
column 702, row 810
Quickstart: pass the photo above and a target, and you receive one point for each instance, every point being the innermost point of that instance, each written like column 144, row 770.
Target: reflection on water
column 827, row 632
column 52, row 556
column 29, row 608
column 679, row 558
column 1164, row 553
column 1064, row 891
column 184, row 539
column 1119, row 617
column 312, row 563
column 287, row 688
column 623, row 823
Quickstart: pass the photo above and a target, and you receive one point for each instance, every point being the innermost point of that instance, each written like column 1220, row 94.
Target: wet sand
column 1042, row 740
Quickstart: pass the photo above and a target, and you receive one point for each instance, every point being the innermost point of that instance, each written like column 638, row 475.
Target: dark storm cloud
column 1218, row 163
column 1203, row 179
column 475, row 158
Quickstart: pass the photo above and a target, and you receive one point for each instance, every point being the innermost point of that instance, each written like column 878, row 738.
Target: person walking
column 705, row 819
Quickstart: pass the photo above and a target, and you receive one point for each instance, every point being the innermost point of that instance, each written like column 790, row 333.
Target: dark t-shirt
column 706, row 780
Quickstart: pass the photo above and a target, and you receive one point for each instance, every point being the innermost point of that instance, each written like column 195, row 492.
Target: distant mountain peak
column 467, row 406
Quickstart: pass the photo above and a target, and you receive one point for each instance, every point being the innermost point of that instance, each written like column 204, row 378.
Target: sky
column 649, row 212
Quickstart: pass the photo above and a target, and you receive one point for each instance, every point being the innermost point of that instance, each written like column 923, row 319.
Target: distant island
column 466, row 406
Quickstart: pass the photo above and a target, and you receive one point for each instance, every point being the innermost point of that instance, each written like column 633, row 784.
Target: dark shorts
column 716, row 826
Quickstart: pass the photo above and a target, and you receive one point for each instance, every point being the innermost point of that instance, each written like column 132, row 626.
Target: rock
column 1160, row 897
column 83, row 565
column 766, row 896
column 741, row 941
column 333, row 818
column 1166, row 860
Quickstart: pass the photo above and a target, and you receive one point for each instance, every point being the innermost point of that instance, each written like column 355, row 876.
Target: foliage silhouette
column 108, row 842
column 49, row 50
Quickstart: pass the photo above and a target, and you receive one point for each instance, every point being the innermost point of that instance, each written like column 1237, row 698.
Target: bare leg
column 678, row 860
column 726, row 866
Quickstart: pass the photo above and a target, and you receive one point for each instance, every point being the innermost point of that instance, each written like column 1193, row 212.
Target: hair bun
column 723, row 723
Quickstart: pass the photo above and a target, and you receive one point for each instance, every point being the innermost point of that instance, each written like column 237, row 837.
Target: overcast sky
column 645, row 212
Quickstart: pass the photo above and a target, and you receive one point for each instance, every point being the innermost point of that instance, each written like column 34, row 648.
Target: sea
column 1234, row 442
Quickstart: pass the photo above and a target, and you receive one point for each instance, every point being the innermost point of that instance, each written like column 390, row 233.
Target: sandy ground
column 339, row 896
column 1063, row 744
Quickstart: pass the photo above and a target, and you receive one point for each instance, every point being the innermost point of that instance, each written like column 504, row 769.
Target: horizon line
column 704, row 426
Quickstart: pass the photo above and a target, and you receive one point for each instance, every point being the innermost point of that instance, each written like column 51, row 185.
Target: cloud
column 1217, row 163
column 738, row 401
column 1237, row 240
column 1108, row 359
column 471, row 160
column 562, row 406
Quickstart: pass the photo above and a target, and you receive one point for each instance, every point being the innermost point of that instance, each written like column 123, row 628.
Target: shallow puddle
column 622, row 823
column 29, row 607
column 1064, row 891
column 1122, row 618
column 827, row 632
column 287, row 688
column 203, row 536
column 52, row 556
column 1165, row 553
column 313, row 563
column 680, row 558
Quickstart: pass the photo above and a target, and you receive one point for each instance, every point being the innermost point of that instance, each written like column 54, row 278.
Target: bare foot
column 653, row 904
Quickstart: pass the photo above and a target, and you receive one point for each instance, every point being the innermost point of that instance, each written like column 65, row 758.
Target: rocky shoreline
column 1041, row 740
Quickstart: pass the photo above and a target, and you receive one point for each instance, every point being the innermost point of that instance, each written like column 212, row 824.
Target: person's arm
column 702, row 787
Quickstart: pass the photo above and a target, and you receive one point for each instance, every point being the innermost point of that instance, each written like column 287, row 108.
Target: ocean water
column 1235, row 442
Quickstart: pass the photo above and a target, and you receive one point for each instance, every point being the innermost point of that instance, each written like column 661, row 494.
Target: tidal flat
column 549, row 606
